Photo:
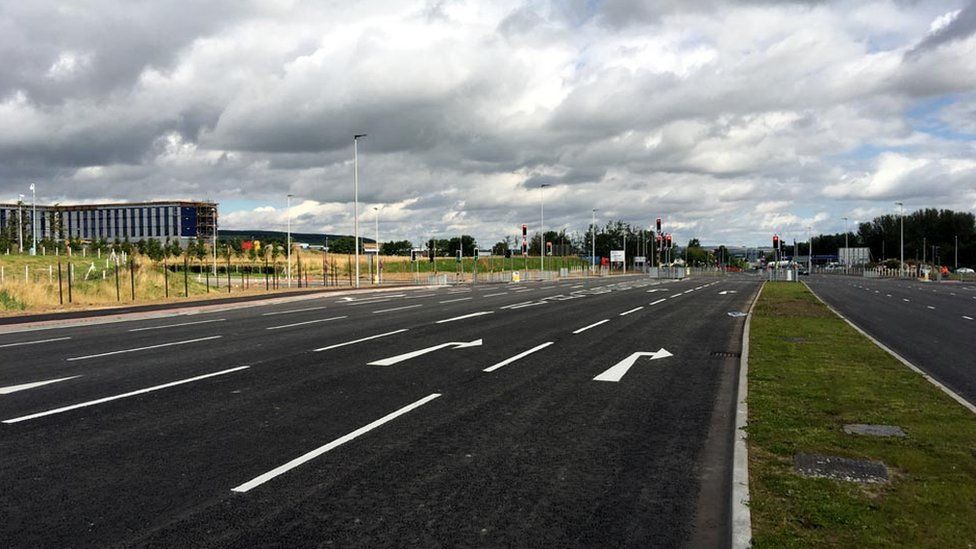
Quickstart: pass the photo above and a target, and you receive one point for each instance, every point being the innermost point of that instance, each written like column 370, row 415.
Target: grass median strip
column 810, row 374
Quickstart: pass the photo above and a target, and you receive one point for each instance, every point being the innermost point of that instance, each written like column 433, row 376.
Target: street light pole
column 214, row 246
column 901, row 244
column 847, row 249
column 288, row 243
column 20, row 224
column 542, row 229
column 810, row 250
column 377, row 236
column 593, row 241
column 33, row 250
column 355, row 152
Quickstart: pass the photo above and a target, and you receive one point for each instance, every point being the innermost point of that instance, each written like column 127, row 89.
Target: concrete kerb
column 968, row 405
column 741, row 515
column 109, row 318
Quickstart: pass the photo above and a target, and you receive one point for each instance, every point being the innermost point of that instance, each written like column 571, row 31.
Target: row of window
column 134, row 223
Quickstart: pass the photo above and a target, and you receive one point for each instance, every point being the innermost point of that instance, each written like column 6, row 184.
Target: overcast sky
column 732, row 120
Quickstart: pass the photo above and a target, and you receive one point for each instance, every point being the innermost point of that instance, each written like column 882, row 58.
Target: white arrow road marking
column 618, row 370
column 25, row 386
column 726, row 292
column 524, row 354
column 124, row 395
column 261, row 479
column 414, row 354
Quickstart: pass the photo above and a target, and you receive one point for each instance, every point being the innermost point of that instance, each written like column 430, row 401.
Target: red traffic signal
column 659, row 224
column 776, row 241
column 668, row 237
column 525, row 229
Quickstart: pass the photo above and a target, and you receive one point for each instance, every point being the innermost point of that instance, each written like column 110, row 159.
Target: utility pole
column 377, row 236
column 20, row 224
column 214, row 246
column 593, row 241
column 542, row 229
column 901, row 257
column 33, row 250
column 355, row 152
column 847, row 249
column 288, row 243
column 956, row 261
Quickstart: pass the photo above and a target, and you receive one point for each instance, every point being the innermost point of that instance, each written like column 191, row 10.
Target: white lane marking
column 523, row 354
column 493, row 295
column 905, row 300
column 689, row 291
column 293, row 311
column 397, row 308
column 524, row 305
column 523, row 290
column 930, row 307
column 594, row 325
column 176, row 325
column 316, row 321
column 455, row 300
column 143, row 348
column 25, row 386
column 658, row 301
column 33, row 342
column 967, row 317
column 419, row 296
column 261, row 479
column 675, row 295
column 887, row 295
column 462, row 317
column 516, row 305
column 634, row 310
column 360, row 340
column 123, row 395
column 620, row 369
column 577, row 286
column 370, row 302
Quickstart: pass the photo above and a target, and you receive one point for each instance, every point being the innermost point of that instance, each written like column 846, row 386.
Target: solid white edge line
column 293, row 311
column 306, row 322
column 634, row 310
column 176, row 325
column 523, row 354
column 462, row 317
column 32, row 385
column 360, row 340
column 261, row 479
column 142, row 348
column 33, row 342
column 123, row 395
column 966, row 404
column 659, row 301
column 390, row 310
column 741, row 515
column 594, row 325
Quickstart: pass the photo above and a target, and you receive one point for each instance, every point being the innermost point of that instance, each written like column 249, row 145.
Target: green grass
column 10, row 303
column 801, row 393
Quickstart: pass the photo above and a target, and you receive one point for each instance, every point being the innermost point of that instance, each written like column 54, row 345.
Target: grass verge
column 809, row 374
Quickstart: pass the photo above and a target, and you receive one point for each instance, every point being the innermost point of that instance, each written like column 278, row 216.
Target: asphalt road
column 321, row 423
column 930, row 324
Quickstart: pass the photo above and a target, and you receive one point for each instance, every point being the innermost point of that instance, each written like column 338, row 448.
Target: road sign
column 413, row 354
column 640, row 260
column 617, row 256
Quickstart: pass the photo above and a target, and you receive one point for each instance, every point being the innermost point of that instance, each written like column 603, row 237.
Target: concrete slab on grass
column 874, row 430
column 838, row 468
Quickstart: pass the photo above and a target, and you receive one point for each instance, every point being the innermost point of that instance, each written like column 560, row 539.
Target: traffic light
column 548, row 248
column 775, row 242
column 430, row 254
column 669, row 244
column 659, row 225
column 476, row 254
column 459, row 255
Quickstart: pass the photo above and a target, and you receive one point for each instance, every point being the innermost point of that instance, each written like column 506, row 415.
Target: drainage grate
column 724, row 354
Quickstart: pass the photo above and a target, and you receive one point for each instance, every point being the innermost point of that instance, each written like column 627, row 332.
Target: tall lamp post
column 542, row 229
column 376, row 209
column 33, row 250
column 288, row 243
column 901, row 243
column 810, row 250
column 847, row 249
column 214, row 246
column 20, row 223
column 593, row 241
column 355, row 152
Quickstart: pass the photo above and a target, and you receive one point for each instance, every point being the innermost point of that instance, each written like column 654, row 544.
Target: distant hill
column 306, row 238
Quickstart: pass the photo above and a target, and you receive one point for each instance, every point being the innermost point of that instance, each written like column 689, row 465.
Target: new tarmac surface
column 929, row 324
column 492, row 415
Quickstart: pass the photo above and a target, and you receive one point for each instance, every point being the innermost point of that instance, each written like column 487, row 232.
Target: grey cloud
column 963, row 26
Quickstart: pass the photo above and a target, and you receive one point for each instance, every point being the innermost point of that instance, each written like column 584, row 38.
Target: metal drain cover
column 838, row 468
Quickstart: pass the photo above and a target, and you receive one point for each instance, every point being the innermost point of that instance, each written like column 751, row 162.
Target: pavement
column 486, row 415
column 929, row 324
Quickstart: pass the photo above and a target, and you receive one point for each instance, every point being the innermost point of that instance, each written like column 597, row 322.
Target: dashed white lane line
column 524, row 354
column 495, row 295
column 887, row 295
column 181, row 324
column 25, row 386
column 930, row 307
column 462, row 317
column 261, row 479
column 577, row 286
column 524, row 305
column 419, row 296
column 676, row 295
column 634, row 310
column 594, row 325
column 123, row 395
column 18, row 344
column 144, row 348
column 360, row 340
column 316, row 321
column 967, row 317
column 659, row 301
column 390, row 310
column 455, row 300
column 905, row 300
column 364, row 302
column 272, row 313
